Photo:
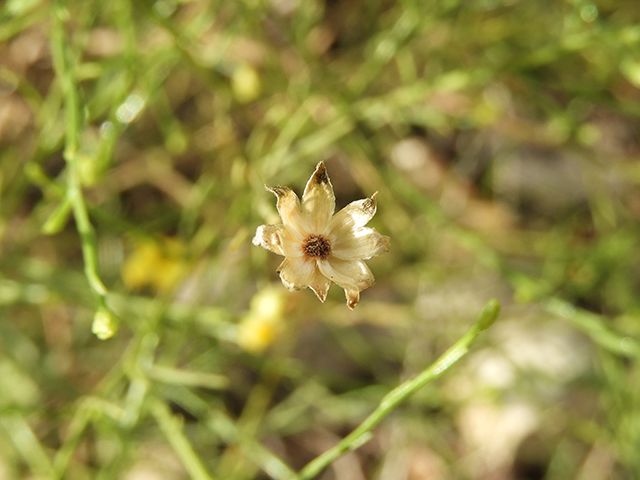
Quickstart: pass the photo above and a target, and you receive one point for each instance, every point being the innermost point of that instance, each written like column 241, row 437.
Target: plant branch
column 394, row 398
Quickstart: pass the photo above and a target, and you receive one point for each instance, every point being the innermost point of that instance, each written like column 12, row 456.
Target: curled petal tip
column 320, row 176
column 370, row 205
column 353, row 297
column 277, row 190
column 269, row 237
column 322, row 296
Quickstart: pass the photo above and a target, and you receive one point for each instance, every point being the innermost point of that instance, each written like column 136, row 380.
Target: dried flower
column 319, row 247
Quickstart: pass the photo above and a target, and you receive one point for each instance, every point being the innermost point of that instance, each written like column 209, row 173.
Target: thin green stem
column 73, row 120
column 83, row 416
column 233, row 464
column 394, row 398
column 172, row 429
column 89, row 409
column 188, row 377
column 26, row 443
column 224, row 427
column 270, row 463
column 105, row 324
column 594, row 326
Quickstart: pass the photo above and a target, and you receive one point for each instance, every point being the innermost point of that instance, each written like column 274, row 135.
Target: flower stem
column 172, row 429
column 73, row 124
column 398, row 395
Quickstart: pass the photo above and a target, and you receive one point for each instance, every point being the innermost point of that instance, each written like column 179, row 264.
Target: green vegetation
column 142, row 335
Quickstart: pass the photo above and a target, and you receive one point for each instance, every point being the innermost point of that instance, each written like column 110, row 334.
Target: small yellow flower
column 155, row 265
column 255, row 334
column 320, row 247
column 245, row 83
column 260, row 327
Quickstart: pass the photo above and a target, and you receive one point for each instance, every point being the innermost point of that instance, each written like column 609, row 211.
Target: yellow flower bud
column 105, row 324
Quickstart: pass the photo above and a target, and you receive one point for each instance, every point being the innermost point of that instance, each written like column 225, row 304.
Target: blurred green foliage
column 135, row 140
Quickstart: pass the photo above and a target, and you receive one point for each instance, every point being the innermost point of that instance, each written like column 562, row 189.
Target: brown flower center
column 316, row 246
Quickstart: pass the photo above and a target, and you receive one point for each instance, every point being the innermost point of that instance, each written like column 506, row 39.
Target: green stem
column 394, row 398
column 172, row 429
column 594, row 326
column 73, row 124
column 89, row 409
column 188, row 377
column 26, row 443
column 83, row 415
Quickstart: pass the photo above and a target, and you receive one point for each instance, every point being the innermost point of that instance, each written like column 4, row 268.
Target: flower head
column 320, row 247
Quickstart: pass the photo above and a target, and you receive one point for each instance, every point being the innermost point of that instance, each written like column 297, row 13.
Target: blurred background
column 502, row 136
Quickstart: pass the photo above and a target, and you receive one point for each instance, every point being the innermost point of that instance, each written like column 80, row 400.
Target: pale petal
column 289, row 209
column 318, row 200
column 320, row 285
column 361, row 243
column 297, row 273
column 350, row 275
column 267, row 237
column 277, row 239
column 355, row 215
